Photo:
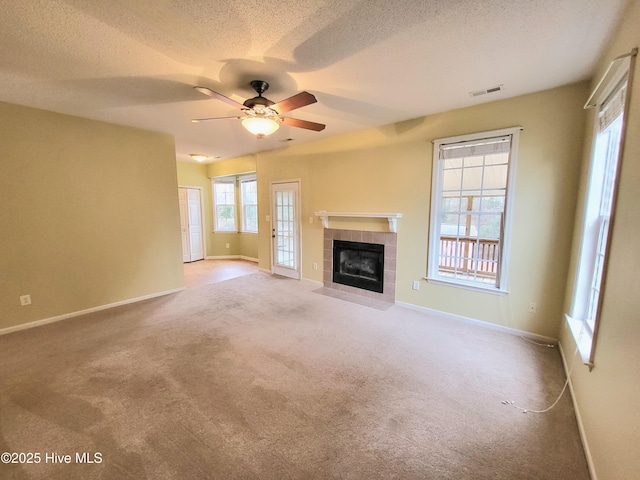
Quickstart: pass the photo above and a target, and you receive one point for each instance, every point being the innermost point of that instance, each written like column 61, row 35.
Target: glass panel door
column 285, row 229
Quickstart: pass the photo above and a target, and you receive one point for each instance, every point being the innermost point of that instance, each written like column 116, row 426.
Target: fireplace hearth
column 359, row 265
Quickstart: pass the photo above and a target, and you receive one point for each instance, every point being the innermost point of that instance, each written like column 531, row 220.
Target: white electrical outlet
column 227, row 245
column 25, row 300
column 533, row 308
column 416, row 285
column 315, row 266
column 310, row 219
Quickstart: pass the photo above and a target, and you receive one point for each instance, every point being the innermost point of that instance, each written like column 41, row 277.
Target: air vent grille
column 477, row 93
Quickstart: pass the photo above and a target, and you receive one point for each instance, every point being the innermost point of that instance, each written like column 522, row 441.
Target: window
column 224, row 205
column 469, row 226
column 225, row 199
column 249, row 202
column 610, row 98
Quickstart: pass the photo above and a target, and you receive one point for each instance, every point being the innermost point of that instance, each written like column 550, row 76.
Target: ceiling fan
column 261, row 116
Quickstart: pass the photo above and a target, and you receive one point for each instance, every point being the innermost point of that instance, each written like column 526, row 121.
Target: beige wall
column 389, row 170
column 89, row 214
column 240, row 245
column 199, row 175
column 608, row 397
column 249, row 246
column 236, row 166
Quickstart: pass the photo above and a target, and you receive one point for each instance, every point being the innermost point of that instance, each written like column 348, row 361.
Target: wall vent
column 477, row 93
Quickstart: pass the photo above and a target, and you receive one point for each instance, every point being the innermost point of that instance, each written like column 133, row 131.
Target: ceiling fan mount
column 261, row 116
column 260, row 86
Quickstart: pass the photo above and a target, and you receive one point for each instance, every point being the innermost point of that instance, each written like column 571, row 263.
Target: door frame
column 297, row 224
column 202, row 218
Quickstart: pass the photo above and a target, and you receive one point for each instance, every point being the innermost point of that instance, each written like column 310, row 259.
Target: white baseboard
column 583, row 435
column 492, row 326
column 231, row 257
column 57, row 318
column 315, row 282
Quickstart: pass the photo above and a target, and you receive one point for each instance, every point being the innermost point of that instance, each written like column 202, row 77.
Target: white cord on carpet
column 512, row 403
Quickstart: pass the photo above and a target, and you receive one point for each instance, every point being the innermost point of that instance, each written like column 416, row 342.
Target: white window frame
column 433, row 273
column 224, row 181
column 584, row 317
column 244, row 204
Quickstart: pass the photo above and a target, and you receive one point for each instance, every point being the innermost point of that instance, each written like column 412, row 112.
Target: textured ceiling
column 368, row 62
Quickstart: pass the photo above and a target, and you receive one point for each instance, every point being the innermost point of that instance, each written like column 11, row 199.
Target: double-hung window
column 470, row 206
column 249, row 204
column 224, row 205
column 609, row 99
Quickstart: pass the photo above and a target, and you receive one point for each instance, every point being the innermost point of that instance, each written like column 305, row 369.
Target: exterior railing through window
column 469, row 256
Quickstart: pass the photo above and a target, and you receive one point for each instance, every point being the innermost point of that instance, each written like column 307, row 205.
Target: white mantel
column 391, row 217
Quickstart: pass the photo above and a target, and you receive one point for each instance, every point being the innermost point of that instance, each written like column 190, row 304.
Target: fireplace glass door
column 359, row 265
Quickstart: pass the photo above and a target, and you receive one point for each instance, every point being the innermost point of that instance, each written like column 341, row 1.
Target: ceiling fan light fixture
column 261, row 116
column 260, row 126
column 198, row 157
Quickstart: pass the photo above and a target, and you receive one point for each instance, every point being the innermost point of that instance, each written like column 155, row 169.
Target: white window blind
column 613, row 106
column 475, row 148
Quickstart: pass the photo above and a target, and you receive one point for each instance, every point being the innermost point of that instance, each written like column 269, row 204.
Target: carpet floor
column 261, row 378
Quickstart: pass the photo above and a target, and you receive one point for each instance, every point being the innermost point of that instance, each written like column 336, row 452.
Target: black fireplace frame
column 373, row 285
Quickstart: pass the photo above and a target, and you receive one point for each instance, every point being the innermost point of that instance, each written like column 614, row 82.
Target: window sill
column 582, row 337
column 476, row 288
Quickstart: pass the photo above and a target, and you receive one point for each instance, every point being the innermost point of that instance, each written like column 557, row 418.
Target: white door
column 184, row 224
column 285, row 233
column 191, row 224
column 195, row 224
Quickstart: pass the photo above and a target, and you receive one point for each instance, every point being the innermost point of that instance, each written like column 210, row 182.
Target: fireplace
column 359, row 265
column 388, row 241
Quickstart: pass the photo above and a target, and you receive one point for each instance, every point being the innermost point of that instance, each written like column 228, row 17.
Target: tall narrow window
column 610, row 100
column 224, row 205
column 249, row 204
column 470, row 201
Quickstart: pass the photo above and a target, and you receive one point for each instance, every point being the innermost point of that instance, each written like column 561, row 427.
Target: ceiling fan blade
column 299, row 100
column 197, row 120
column 294, row 122
column 218, row 96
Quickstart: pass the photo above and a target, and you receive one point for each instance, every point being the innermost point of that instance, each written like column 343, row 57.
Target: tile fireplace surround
column 388, row 239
